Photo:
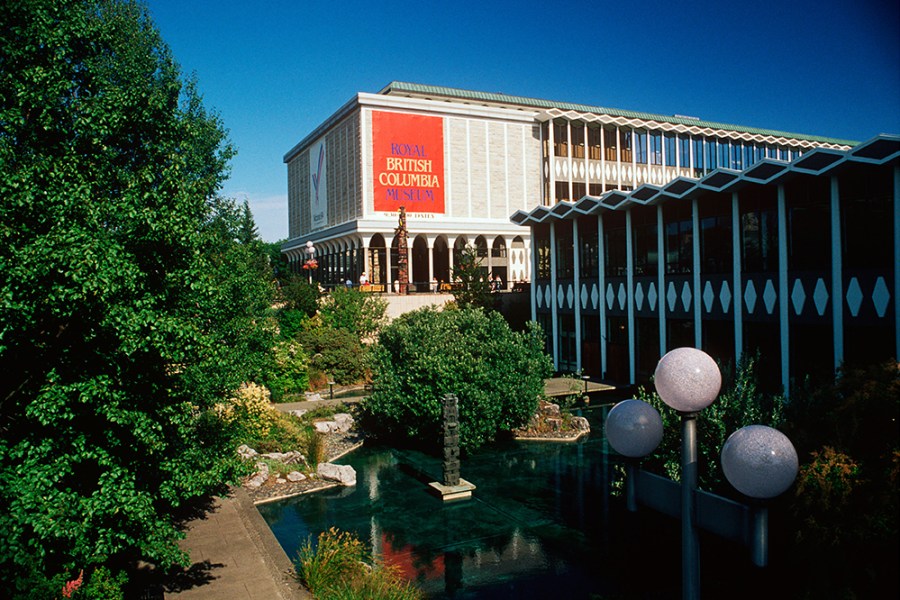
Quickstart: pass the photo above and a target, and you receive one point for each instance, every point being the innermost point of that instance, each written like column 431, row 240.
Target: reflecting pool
column 542, row 523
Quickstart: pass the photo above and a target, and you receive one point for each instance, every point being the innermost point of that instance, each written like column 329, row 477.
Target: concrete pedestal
column 453, row 492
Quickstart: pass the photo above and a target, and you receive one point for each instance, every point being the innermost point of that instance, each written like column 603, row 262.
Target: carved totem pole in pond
column 451, row 440
column 453, row 487
column 403, row 253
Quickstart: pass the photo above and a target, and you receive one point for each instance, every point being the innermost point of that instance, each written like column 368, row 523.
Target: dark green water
column 541, row 524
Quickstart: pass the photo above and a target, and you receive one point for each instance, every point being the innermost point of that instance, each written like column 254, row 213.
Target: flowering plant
column 72, row 586
column 311, row 264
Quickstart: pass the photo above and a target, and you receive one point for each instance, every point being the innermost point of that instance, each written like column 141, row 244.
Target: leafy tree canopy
column 128, row 307
column 359, row 313
column 496, row 373
column 474, row 290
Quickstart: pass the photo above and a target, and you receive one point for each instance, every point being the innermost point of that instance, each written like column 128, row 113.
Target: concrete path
column 234, row 556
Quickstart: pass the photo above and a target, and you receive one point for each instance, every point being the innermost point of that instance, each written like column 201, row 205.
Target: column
column 388, row 246
column 629, row 286
column 576, row 262
column 783, row 293
column 897, row 261
column 661, row 277
column 571, row 151
column 837, row 275
column 553, row 302
column 698, row 315
column 601, row 283
column 551, row 162
column 737, row 283
column 431, row 274
column 531, row 259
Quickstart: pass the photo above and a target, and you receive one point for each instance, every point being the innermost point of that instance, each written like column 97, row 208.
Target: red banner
column 408, row 160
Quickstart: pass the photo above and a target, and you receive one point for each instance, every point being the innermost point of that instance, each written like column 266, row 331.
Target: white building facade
column 461, row 162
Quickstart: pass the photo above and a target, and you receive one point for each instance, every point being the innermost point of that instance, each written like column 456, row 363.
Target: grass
column 339, row 567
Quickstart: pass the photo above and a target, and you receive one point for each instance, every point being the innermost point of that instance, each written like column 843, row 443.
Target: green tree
column 336, row 354
column 300, row 295
column 127, row 308
column 496, row 373
column 359, row 313
column 474, row 290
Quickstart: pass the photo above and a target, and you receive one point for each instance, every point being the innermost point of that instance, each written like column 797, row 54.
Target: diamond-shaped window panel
column 750, row 296
column 708, row 296
column 671, row 296
column 820, row 296
column 881, row 296
column 798, row 296
column 854, row 296
column 595, row 295
column 686, row 296
column 560, row 295
column 570, row 296
column 584, row 296
column 610, row 296
column 540, row 298
column 770, row 296
column 622, row 296
column 651, row 296
column 725, row 296
column 547, row 296
column 639, row 296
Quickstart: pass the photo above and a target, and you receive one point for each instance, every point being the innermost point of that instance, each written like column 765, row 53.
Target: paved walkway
column 235, row 555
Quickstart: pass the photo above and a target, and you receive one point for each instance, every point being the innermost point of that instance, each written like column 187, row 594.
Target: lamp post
column 760, row 462
column 634, row 430
column 310, row 253
column 688, row 380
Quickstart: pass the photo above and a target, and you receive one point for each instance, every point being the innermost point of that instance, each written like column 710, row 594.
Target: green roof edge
column 628, row 114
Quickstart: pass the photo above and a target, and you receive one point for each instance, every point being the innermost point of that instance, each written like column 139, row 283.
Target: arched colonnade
column 431, row 257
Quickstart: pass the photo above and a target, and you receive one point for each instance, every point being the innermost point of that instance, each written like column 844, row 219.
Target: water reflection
column 540, row 524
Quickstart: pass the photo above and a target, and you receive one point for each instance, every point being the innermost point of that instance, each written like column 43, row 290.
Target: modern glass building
column 795, row 255
column 461, row 162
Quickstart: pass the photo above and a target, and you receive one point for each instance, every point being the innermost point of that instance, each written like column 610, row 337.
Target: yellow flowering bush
column 251, row 409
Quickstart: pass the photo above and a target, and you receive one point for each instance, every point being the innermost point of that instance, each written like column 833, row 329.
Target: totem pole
column 403, row 253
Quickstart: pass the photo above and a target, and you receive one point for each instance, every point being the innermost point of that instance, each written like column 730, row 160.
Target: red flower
column 72, row 586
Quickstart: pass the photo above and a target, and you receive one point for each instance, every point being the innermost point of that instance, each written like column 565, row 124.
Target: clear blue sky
column 274, row 70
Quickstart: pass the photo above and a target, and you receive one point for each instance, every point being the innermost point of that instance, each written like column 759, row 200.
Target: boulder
column 288, row 458
column 343, row 474
column 580, row 424
column 246, row 452
column 299, row 412
column 313, row 396
column 343, row 422
column 260, row 477
column 325, row 426
column 550, row 409
column 295, row 476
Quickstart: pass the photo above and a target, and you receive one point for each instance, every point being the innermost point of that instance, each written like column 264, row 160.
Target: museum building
column 461, row 162
column 797, row 260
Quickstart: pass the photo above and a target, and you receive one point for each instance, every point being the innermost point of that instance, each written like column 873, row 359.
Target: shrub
column 301, row 295
column 289, row 372
column 290, row 322
column 496, row 373
column 250, row 410
column 335, row 353
column 352, row 310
